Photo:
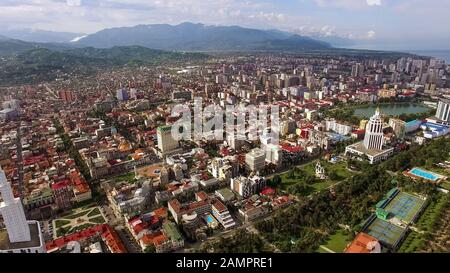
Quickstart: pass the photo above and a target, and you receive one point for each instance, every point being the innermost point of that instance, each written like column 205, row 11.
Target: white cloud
column 348, row 4
column 370, row 35
column 355, row 19
column 73, row 3
column 374, row 2
column 328, row 30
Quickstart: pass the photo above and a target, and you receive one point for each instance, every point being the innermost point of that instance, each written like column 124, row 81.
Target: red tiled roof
column 195, row 205
column 156, row 238
column 202, row 195
column 161, row 212
column 361, row 244
column 268, row 191
column 175, row 204
column 359, row 132
column 113, row 241
column 292, row 149
column 60, row 185
column 220, row 206
column 33, row 160
column 108, row 234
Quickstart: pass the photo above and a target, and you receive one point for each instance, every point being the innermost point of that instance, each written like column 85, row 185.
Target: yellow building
column 363, row 124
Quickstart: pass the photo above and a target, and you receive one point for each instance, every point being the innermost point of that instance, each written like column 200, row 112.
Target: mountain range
column 199, row 37
column 182, row 37
column 42, row 58
column 39, row 36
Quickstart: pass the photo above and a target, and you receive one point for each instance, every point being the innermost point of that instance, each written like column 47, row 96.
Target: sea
column 443, row 54
column 439, row 54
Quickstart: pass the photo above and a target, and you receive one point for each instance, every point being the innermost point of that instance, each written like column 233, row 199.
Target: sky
column 375, row 24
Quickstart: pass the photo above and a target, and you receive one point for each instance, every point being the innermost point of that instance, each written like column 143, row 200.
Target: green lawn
column 61, row 223
column 78, row 220
column 76, row 215
column 128, row 177
column 94, row 212
column 61, row 232
column 80, row 228
column 335, row 172
column 97, row 220
column 321, row 250
column 322, row 185
column 336, row 242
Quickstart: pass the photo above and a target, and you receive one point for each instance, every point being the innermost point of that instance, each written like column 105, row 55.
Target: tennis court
column 387, row 233
column 405, row 206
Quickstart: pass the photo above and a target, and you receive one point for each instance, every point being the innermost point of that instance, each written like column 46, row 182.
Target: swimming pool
column 424, row 174
column 209, row 219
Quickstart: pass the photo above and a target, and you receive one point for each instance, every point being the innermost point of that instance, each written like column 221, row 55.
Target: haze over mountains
column 199, row 37
column 182, row 37
column 39, row 36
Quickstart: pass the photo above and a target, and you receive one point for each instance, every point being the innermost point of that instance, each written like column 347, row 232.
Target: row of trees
column 413, row 116
column 346, row 114
column 241, row 242
column 72, row 151
column 434, row 152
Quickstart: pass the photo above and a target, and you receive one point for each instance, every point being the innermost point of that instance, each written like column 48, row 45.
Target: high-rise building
column 66, row 95
column 274, row 154
column 398, row 126
column 13, row 213
column 166, row 143
column 20, row 236
column 378, row 78
column 372, row 146
column 373, row 139
column 122, row 95
column 363, row 124
column 255, row 159
column 443, row 110
column 358, row 70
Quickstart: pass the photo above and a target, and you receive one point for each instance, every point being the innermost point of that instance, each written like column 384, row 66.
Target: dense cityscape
column 97, row 168
column 196, row 139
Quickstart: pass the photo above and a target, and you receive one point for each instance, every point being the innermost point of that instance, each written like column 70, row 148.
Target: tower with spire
column 373, row 146
column 373, row 140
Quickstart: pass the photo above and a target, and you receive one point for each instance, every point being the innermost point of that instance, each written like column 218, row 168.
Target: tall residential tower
column 443, row 110
column 21, row 236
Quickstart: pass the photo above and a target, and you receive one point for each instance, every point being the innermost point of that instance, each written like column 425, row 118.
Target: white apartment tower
column 13, row 214
column 373, row 139
column 443, row 110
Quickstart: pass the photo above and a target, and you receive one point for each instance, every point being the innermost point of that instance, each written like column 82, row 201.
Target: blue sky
column 383, row 24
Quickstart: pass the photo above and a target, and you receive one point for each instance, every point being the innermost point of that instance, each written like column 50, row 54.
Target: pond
column 391, row 109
